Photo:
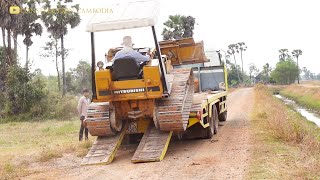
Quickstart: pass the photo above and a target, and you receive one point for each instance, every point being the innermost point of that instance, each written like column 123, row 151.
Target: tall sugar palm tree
column 233, row 49
column 57, row 22
column 284, row 53
column 296, row 53
column 242, row 47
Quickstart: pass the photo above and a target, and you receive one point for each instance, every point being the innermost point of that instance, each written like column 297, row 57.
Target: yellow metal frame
column 222, row 108
column 123, row 132
column 164, row 151
column 226, row 77
column 193, row 121
column 142, row 126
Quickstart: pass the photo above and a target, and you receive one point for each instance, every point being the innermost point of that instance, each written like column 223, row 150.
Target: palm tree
column 9, row 25
column 266, row 72
column 30, row 27
column 242, row 47
column 51, row 50
column 173, row 29
column 284, row 53
column 178, row 26
column 188, row 26
column 233, row 49
column 296, row 53
column 57, row 21
column 252, row 69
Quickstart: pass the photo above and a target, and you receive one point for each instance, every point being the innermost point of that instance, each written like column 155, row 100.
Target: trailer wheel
column 215, row 118
column 223, row 116
column 213, row 124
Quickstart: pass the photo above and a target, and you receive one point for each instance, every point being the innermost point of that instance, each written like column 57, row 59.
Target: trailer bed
column 204, row 98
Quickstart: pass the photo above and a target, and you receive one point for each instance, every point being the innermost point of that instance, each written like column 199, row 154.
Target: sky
column 264, row 25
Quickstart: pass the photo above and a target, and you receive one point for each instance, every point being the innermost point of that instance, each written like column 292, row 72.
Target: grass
column 307, row 96
column 48, row 154
column 311, row 82
column 23, row 143
column 285, row 145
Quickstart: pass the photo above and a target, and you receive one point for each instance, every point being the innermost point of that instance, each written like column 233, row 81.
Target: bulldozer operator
column 129, row 52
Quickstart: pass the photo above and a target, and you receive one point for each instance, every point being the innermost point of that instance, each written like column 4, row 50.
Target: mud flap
column 153, row 145
column 104, row 149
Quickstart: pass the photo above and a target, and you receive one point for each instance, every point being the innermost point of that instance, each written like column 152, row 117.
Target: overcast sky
column 264, row 25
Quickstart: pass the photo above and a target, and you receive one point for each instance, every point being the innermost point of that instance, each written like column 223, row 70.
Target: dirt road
column 226, row 156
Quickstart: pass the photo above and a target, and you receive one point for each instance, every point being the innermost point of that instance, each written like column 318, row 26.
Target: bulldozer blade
column 153, row 146
column 104, row 149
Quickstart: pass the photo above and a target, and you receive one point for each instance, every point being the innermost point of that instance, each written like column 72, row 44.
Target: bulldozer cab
column 127, row 79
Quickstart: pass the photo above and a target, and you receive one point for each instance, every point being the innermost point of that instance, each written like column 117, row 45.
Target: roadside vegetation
column 285, row 145
column 26, row 145
column 307, row 96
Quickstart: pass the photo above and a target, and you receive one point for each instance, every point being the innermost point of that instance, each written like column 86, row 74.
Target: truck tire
column 223, row 116
column 213, row 123
column 215, row 118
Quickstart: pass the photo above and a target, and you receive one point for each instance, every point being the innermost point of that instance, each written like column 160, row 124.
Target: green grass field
column 23, row 143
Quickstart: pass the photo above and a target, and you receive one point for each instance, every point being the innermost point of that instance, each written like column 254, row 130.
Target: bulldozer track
column 99, row 117
column 172, row 113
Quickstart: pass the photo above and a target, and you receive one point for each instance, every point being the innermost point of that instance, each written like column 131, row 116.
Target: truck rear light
column 199, row 115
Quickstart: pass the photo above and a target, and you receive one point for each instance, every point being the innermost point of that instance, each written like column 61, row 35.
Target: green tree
column 10, row 24
column 266, row 69
column 29, row 25
column 178, row 26
column 242, row 47
column 188, row 26
column 284, row 54
column 233, row 75
column 285, row 72
column 252, row 70
column 57, row 20
column 233, row 49
column 82, row 76
column 233, row 71
column 2, row 64
column 51, row 50
column 296, row 53
column 2, row 82
column 306, row 73
column 70, row 82
column 25, row 89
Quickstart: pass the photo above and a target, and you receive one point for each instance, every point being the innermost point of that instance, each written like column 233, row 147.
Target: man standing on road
column 83, row 104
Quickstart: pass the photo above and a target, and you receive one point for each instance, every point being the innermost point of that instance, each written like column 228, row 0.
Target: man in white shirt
column 83, row 104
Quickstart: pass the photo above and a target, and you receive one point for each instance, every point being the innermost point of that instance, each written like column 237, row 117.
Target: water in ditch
column 309, row 115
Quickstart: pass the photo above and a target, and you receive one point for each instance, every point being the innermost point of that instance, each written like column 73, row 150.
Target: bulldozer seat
column 126, row 68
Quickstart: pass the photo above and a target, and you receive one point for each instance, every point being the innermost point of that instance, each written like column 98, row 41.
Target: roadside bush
column 23, row 90
column 65, row 107
column 54, row 106
column 2, row 104
column 27, row 97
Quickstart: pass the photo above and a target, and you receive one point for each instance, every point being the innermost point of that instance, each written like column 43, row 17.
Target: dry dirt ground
column 226, row 156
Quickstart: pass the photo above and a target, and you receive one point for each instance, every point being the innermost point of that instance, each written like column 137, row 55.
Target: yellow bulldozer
column 156, row 99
